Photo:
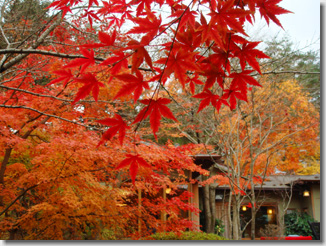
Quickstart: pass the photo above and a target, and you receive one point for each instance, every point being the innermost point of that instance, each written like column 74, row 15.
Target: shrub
column 270, row 230
column 297, row 224
column 189, row 235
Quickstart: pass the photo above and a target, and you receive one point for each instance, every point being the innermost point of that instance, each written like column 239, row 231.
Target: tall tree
column 289, row 62
column 255, row 140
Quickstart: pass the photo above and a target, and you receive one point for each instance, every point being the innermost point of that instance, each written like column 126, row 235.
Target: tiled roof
column 284, row 181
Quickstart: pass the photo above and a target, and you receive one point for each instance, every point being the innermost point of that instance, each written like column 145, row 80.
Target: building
column 276, row 196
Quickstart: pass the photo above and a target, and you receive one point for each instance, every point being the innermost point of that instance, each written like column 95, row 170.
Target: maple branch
column 49, row 96
column 42, row 182
column 43, row 52
column 39, row 41
column 42, row 139
column 8, row 150
column 283, row 138
column 13, row 93
column 187, row 135
column 55, row 54
column 4, row 36
column 79, row 30
column 4, row 163
column 49, row 115
column 207, row 49
column 19, row 196
column 167, row 59
column 281, row 72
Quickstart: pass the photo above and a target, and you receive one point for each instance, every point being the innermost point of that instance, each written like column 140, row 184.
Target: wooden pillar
column 190, row 201
column 312, row 202
column 196, row 219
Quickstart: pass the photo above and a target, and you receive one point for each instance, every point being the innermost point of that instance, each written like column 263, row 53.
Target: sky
column 302, row 27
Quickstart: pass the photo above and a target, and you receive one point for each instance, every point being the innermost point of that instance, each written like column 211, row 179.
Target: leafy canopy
column 197, row 42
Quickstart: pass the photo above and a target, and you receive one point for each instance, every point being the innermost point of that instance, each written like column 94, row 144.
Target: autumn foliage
column 84, row 98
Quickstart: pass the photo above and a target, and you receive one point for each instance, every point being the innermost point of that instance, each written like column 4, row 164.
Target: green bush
column 297, row 224
column 219, row 227
column 189, row 235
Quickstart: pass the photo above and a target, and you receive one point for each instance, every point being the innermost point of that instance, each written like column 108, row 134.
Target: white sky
column 302, row 27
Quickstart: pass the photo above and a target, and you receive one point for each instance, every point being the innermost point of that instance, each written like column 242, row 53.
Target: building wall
column 195, row 217
column 315, row 197
column 222, row 214
column 277, row 199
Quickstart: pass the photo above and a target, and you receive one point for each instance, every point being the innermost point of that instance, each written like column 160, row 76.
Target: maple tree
column 186, row 52
column 86, row 67
column 55, row 183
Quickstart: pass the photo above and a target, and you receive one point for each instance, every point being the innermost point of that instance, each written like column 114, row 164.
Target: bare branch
column 282, row 72
column 49, row 96
column 42, row 52
column 39, row 41
column 49, row 115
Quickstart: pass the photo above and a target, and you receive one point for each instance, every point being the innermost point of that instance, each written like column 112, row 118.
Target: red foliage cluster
column 197, row 42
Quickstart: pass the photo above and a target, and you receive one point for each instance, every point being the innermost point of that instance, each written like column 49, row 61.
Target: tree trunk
column 212, row 207
column 12, row 234
column 253, row 223
column 207, row 209
column 236, row 222
column 4, row 164
column 229, row 214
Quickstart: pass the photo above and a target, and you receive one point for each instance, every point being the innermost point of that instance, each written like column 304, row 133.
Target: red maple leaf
column 117, row 125
column 133, row 161
column 133, row 84
column 185, row 16
column 140, row 53
column 257, row 179
column 117, row 63
column 114, row 6
column 150, row 26
column 65, row 76
column 90, row 15
column 91, row 2
column 83, row 62
column 242, row 192
column 194, row 81
column 145, row 4
column 91, row 84
column 247, row 53
column 250, row 205
column 139, row 56
column 269, row 9
column 208, row 97
column 106, row 40
column 240, row 80
column 220, row 56
column 210, row 32
column 233, row 94
column 63, row 5
column 155, row 110
column 179, row 62
column 188, row 39
column 228, row 16
column 213, row 72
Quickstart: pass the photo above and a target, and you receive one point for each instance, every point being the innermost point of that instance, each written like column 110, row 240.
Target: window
column 265, row 215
